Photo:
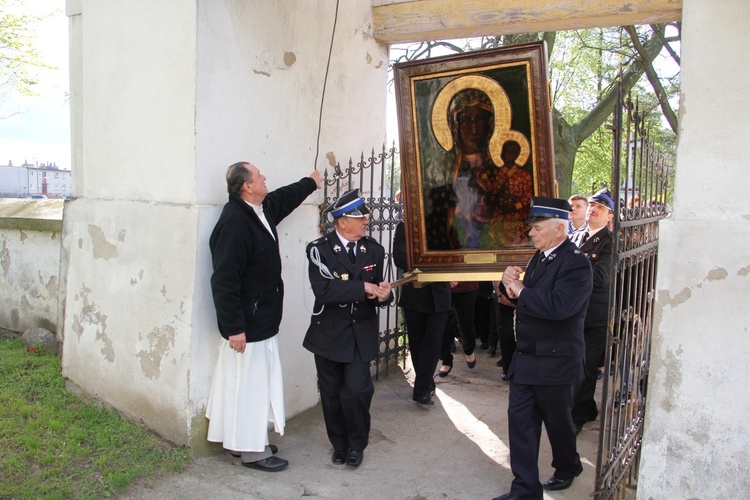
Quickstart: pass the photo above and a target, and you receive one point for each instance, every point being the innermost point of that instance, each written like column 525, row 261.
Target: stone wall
column 30, row 263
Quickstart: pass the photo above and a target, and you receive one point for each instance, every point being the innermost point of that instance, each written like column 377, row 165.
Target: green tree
column 19, row 59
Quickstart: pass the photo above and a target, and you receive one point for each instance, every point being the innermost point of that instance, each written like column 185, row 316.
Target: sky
column 40, row 133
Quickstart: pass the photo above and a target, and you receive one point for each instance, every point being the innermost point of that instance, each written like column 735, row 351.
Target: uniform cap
column 349, row 204
column 543, row 207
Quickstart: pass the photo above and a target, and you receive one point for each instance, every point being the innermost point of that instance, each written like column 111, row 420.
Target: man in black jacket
column 549, row 357
column 346, row 275
column 596, row 242
column 247, row 388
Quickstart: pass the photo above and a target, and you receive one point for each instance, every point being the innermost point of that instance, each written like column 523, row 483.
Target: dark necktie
column 350, row 251
column 583, row 240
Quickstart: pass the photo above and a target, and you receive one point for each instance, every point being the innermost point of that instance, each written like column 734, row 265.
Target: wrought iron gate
column 641, row 176
column 377, row 177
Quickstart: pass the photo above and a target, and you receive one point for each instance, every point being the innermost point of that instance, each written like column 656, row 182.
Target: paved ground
column 454, row 450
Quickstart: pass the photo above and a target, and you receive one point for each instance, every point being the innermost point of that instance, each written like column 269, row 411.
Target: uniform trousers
column 584, row 405
column 528, row 407
column 346, row 391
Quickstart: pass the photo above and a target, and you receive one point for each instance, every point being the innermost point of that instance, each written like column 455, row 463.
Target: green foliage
column 54, row 445
column 19, row 59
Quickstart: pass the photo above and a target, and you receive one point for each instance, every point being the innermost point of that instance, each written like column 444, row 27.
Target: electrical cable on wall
column 325, row 83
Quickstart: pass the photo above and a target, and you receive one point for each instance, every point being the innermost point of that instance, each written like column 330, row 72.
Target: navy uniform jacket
column 429, row 298
column 550, row 349
column 348, row 320
column 246, row 282
column 598, row 249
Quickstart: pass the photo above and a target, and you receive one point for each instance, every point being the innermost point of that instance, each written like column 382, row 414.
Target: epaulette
column 320, row 240
column 576, row 251
column 371, row 239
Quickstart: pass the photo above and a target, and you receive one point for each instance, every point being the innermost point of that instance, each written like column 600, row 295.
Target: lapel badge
column 593, row 256
column 335, row 274
column 336, row 248
column 344, row 277
column 362, row 249
column 551, row 257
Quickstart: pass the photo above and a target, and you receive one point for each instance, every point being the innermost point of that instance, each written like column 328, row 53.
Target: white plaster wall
column 261, row 67
column 129, row 239
column 129, row 307
column 695, row 443
column 166, row 94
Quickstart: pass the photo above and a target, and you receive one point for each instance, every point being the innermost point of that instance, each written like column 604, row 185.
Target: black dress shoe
column 273, row 447
column 338, row 457
column 555, row 484
column 425, row 401
column 270, row 464
column 511, row 496
column 354, row 458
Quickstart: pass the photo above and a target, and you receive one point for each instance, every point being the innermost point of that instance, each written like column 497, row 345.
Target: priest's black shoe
column 270, row 464
column 556, row 484
column 354, row 458
column 339, row 457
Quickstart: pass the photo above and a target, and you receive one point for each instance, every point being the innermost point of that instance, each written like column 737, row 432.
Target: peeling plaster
column 289, row 58
column 24, row 236
column 673, row 380
column 160, row 341
column 121, row 236
column 91, row 315
column 164, row 291
column 5, row 257
column 743, row 271
column 717, row 274
column 331, row 158
column 102, row 248
column 263, row 73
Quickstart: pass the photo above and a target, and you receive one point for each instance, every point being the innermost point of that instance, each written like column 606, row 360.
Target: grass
column 54, row 445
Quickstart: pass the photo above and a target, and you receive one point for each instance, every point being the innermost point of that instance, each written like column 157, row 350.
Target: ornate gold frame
column 514, row 78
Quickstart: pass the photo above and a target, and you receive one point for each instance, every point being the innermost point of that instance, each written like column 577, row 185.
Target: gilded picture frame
column 475, row 145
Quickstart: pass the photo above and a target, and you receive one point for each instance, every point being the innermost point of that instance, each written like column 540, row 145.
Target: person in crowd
column 596, row 243
column 548, row 362
column 577, row 221
column 464, row 294
column 346, row 275
column 425, row 313
column 247, row 388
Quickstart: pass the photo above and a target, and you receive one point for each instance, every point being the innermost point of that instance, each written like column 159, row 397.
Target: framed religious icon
column 476, row 145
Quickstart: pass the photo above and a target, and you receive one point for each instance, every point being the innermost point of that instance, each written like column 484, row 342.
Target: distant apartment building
column 34, row 179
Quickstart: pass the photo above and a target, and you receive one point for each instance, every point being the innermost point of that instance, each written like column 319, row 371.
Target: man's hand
column 238, row 342
column 511, row 274
column 384, row 291
column 317, row 177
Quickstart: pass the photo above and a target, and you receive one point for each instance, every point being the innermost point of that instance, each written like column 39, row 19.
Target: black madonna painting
column 475, row 146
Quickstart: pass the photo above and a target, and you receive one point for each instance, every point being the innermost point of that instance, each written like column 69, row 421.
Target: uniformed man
column 346, row 275
column 596, row 243
column 549, row 358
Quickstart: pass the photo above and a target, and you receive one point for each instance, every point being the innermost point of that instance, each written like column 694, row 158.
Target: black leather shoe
column 511, row 496
column 555, row 484
column 270, row 464
column 354, row 458
column 339, row 457
column 425, row 401
column 273, row 447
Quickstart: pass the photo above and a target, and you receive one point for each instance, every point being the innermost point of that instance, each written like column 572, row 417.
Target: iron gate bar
column 640, row 171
